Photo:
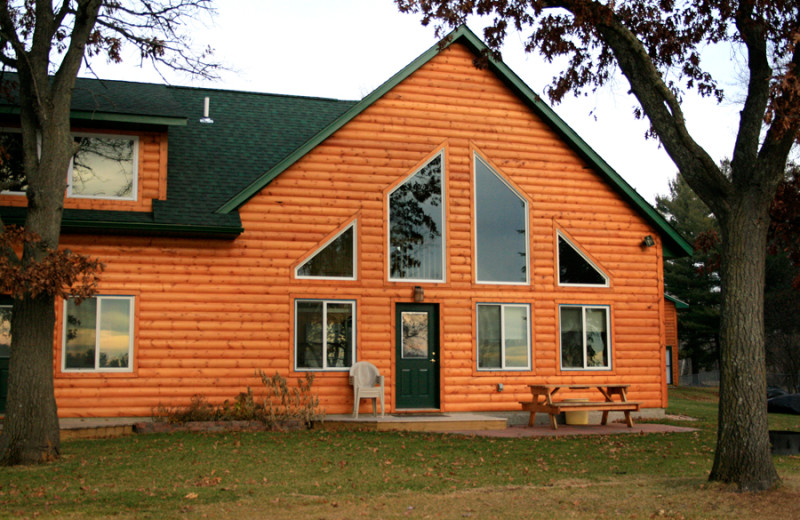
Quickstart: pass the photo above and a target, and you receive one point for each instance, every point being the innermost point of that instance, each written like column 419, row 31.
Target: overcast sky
column 344, row 49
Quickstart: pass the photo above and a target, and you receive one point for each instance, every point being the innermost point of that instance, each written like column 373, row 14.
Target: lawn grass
column 321, row 474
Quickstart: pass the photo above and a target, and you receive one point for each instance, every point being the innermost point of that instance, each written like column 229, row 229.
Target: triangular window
column 335, row 259
column 574, row 268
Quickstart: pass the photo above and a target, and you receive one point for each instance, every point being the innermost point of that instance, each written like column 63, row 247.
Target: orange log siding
column 209, row 313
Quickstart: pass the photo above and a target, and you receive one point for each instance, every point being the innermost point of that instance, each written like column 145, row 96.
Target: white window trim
column 354, row 226
column 527, row 223
column 503, row 366
column 583, row 308
column 325, row 367
column 96, row 368
column 134, row 171
column 444, row 226
column 578, row 250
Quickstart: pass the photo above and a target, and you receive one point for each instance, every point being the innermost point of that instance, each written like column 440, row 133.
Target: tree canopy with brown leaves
column 45, row 43
column 658, row 46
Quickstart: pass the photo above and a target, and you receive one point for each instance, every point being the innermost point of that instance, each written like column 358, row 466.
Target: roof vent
column 205, row 119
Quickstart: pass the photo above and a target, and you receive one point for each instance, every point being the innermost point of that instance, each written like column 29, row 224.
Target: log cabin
column 449, row 228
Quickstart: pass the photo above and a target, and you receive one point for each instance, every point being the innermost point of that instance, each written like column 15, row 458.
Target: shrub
column 279, row 407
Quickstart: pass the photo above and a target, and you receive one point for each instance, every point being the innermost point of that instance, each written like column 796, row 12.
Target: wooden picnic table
column 543, row 402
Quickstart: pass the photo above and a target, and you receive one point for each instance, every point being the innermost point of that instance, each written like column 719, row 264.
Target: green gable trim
column 679, row 304
column 112, row 117
column 673, row 244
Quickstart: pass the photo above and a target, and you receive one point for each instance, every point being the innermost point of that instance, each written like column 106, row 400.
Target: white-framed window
column 335, row 260
column 504, row 336
column 501, row 229
column 98, row 334
column 324, row 334
column 575, row 268
column 104, row 167
column 5, row 330
column 417, row 225
column 12, row 168
column 585, row 337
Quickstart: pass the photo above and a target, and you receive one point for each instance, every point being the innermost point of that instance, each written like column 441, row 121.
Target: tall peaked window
column 336, row 259
column 574, row 268
column 416, row 225
column 501, row 216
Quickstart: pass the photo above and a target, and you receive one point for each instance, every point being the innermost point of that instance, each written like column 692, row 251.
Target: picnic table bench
column 543, row 402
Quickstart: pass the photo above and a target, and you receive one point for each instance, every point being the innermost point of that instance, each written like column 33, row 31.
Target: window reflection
column 415, row 223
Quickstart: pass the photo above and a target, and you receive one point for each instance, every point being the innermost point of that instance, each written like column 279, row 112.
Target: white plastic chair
column 367, row 384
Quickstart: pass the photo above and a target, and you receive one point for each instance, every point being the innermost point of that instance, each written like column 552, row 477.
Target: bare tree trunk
column 30, row 430
column 743, row 452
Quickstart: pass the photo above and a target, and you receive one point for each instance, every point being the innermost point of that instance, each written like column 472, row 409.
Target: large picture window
column 324, row 334
column 335, row 260
column 98, row 334
column 501, row 222
column 503, row 336
column 585, row 337
column 416, row 225
column 105, row 167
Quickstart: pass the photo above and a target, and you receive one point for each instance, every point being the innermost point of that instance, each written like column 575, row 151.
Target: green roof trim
column 679, row 304
column 112, row 117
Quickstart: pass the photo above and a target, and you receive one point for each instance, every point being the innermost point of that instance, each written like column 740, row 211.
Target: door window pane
column 416, row 220
column 502, row 229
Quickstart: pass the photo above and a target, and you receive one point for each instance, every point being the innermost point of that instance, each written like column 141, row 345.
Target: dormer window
column 12, row 170
column 105, row 167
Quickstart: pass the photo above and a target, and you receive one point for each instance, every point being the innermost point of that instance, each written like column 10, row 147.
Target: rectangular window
column 105, row 167
column 324, row 334
column 585, row 337
column 98, row 334
column 503, row 336
column 12, row 171
column 5, row 330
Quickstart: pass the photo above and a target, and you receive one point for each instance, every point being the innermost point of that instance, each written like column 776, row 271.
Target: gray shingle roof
column 207, row 163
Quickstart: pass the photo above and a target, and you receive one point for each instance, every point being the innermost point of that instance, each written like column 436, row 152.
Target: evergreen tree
column 694, row 280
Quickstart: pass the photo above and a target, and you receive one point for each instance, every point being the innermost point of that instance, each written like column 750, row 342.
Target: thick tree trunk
column 30, row 429
column 743, row 452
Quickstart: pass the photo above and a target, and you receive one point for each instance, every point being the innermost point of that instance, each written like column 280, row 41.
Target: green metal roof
column 673, row 244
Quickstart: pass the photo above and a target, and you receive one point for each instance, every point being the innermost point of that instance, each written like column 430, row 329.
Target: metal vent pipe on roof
column 206, row 104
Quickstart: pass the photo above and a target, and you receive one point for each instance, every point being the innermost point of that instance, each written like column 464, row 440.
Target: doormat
column 432, row 414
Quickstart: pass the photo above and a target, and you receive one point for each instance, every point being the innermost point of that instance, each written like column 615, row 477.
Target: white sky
column 346, row 48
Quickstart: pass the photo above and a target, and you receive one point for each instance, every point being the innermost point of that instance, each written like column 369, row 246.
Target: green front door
column 417, row 351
